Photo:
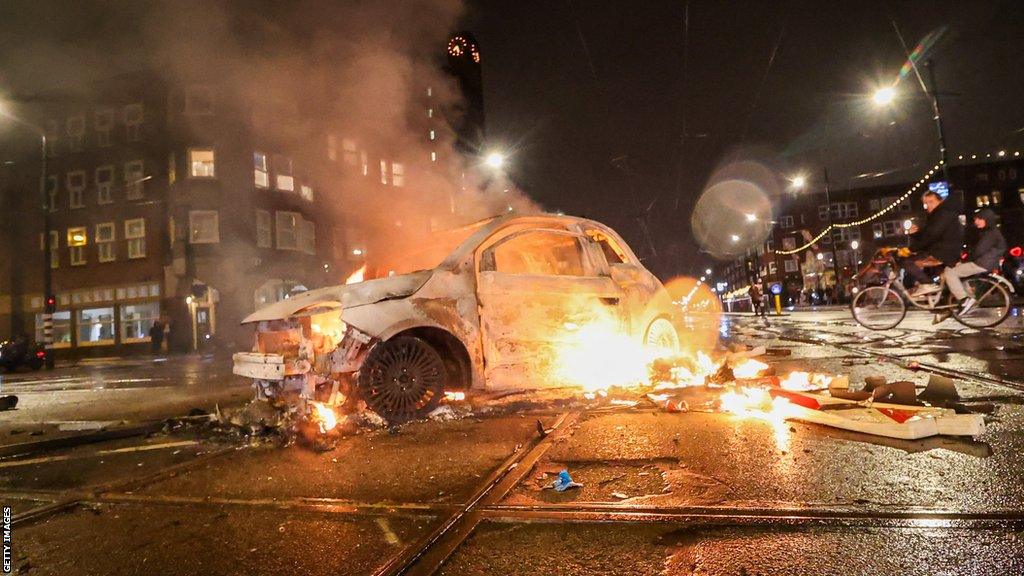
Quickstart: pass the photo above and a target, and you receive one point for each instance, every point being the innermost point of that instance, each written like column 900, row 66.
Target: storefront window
column 137, row 319
column 61, row 329
column 95, row 326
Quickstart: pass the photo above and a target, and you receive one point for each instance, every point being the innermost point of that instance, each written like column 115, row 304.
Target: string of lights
column 895, row 204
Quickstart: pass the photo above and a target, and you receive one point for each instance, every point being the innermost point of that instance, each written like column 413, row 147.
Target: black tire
column 403, row 379
column 867, row 308
column 994, row 303
column 36, row 364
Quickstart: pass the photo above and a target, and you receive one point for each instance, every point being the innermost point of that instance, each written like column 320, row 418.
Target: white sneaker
column 924, row 289
column 967, row 305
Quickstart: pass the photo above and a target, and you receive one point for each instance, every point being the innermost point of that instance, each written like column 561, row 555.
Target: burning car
column 488, row 306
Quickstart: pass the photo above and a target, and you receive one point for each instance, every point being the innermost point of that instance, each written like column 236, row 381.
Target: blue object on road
column 564, row 482
column 776, row 288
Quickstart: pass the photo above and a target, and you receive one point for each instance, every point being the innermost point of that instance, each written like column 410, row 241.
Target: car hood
column 342, row 296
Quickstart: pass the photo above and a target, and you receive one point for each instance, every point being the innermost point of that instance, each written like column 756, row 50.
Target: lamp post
column 49, row 302
column 886, row 95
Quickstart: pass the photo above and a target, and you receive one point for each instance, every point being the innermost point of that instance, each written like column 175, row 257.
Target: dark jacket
column 991, row 245
column 941, row 236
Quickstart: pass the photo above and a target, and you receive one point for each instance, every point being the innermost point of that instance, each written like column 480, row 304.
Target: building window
column 261, row 176
column 264, row 232
column 306, row 192
column 104, row 184
column 773, row 268
column 199, row 101
column 997, row 196
column 364, row 161
column 840, row 211
column 78, row 238
column 786, row 222
column 308, row 237
column 137, row 320
column 332, row 147
column 283, row 173
column 397, row 174
column 433, row 135
column 95, row 326
column 172, row 169
column 892, row 227
column 201, row 163
column 430, row 112
column 105, row 241
column 52, row 187
column 287, row 230
column 349, row 151
column 433, row 156
column 76, row 133
column 61, row 329
column 76, row 188
column 383, row 172
column 135, row 235
column 133, row 122
column 52, row 137
column 204, row 227
column 877, row 230
column 104, row 120
column 134, row 179
column 791, row 265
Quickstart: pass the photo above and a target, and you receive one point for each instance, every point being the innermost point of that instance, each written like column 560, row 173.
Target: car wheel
column 402, row 379
column 662, row 333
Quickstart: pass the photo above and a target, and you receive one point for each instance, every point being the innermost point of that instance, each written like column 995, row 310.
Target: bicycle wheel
column 878, row 308
column 993, row 303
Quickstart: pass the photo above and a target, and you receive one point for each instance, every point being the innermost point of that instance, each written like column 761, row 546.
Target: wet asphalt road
column 663, row 493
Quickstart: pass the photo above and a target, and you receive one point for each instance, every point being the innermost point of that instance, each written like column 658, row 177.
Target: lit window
column 76, row 186
column 264, row 233
column 287, row 230
column 283, row 171
column 383, row 172
column 76, row 132
column 306, row 192
column 261, row 174
column 430, row 112
column 430, row 91
column 104, row 121
column 433, row 156
column 204, row 227
column 364, row 161
column 201, row 163
column 349, row 151
column 78, row 238
column 877, row 230
column 137, row 320
column 133, row 122
column 786, row 222
column 95, row 326
column 61, row 329
column 308, row 237
column 199, row 101
column 397, row 174
column 433, row 135
column 104, row 184
column 52, row 187
column 105, row 241
column 791, row 265
column 134, row 179
column 135, row 234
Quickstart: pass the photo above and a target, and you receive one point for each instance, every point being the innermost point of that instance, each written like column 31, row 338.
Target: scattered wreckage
column 507, row 296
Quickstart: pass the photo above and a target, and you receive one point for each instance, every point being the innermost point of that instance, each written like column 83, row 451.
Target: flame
column 705, row 364
column 749, row 368
column 324, row 416
column 757, row 403
column 357, row 276
column 804, row 381
column 458, row 396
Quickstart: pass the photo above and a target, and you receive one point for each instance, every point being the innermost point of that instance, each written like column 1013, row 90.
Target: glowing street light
column 854, row 244
column 735, row 238
column 798, row 181
column 751, row 217
column 495, row 160
column 884, row 96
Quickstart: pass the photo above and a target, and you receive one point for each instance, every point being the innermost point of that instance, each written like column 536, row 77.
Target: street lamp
column 49, row 302
column 798, row 182
column 751, row 217
column 884, row 96
column 495, row 160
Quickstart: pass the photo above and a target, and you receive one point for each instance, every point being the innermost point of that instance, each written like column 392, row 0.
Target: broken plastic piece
column 564, row 482
column 939, row 389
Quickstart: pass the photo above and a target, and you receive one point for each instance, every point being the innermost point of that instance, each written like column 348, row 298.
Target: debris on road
column 9, row 402
column 564, row 482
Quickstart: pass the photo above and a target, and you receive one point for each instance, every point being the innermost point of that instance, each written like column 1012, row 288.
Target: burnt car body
column 491, row 315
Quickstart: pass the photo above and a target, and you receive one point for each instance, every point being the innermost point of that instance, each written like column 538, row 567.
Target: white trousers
column 954, row 274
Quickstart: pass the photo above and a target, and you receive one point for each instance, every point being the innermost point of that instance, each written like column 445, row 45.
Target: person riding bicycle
column 984, row 257
column 937, row 242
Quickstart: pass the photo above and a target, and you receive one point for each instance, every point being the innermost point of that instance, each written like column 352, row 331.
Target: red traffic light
column 1016, row 251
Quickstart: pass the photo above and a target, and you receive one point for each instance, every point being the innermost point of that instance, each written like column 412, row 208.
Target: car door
column 537, row 289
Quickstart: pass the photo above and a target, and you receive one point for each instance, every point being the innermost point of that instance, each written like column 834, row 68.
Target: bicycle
column 883, row 306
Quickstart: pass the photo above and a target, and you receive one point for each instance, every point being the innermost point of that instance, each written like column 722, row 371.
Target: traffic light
column 51, row 304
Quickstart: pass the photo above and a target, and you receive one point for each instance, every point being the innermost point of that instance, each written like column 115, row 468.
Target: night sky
column 615, row 111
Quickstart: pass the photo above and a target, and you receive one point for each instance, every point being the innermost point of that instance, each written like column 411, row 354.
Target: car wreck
column 507, row 295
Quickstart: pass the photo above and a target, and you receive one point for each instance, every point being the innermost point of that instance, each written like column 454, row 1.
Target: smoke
column 290, row 73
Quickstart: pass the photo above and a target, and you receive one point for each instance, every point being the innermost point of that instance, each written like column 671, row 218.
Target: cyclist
column 984, row 257
column 938, row 242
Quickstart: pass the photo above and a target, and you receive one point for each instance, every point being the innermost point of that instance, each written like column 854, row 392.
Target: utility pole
column 49, row 300
column 832, row 243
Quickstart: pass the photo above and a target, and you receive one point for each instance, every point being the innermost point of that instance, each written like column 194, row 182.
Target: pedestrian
column 156, row 336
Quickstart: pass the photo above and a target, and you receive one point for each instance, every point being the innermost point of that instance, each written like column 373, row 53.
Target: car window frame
column 590, row 268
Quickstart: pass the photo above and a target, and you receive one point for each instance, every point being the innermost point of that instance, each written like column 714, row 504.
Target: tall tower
column 463, row 62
